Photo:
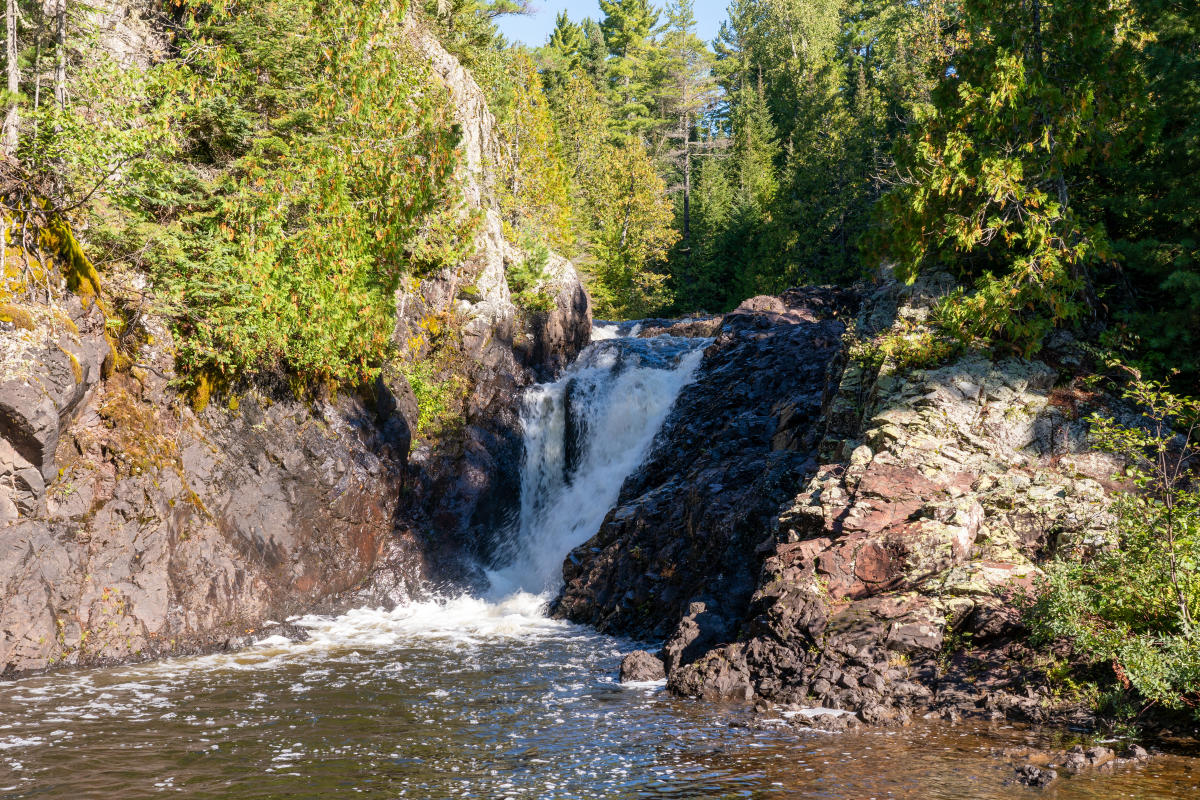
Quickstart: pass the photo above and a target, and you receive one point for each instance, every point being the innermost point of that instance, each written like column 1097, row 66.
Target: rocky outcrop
column 142, row 528
column 918, row 501
column 50, row 364
column 464, row 323
column 132, row 525
column 925, row 527
column 640, row 666
column 689, row 530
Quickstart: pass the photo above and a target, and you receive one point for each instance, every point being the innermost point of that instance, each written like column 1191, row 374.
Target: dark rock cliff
column 812, row 535
column 693, row 523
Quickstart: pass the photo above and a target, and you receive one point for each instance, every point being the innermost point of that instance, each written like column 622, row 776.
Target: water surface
column 470, row 699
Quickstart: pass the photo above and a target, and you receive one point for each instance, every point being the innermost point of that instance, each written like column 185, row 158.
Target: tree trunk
column 38, row 31
column 12, row 119
column 60, row 54
column 687, row 183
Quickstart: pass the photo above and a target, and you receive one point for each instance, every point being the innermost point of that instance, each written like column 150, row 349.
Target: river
column 484, row 696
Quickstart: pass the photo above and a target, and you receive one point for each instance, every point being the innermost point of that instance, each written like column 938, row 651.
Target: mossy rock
column 18, row 317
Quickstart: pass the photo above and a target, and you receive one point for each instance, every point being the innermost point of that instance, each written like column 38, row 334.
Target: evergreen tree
column 563, row 54
column 1031, row 105
column 531, row 179
column 1149, row 201
column 567, row 41
column 686, row 92
column 628, row 26
column 708, row 278
column 595, row 52
column 632, row 235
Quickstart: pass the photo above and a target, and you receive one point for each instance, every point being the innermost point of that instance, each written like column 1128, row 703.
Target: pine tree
column 708, row 277
column 595, row 52
column 567, row 41
column 628, row 26
column 562, row 55
column 686, row 92
column 1149, row 200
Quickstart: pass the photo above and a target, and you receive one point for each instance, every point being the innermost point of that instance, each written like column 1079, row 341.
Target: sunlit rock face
column 811, row 528
column 465, row 319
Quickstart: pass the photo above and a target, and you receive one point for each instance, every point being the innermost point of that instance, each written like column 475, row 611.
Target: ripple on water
column 466, row 699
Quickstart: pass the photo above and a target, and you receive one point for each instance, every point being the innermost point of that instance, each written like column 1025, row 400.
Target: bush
column 527, row 280
column 1131, row 602
column 277, row 181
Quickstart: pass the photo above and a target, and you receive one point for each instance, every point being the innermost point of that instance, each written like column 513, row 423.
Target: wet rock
column 737, row 444
column 641, row 666
column 1075, row 761
column 690, row 327
column 293, row 633
column 936, row 491
column 877, row 714
column 719, row 675
column 1038, row 777
column 698, row 632
column 1135, row 753
column 1099, row 756
column 193, row 527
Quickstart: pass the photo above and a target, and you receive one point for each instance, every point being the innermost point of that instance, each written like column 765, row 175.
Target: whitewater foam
column 584, row 435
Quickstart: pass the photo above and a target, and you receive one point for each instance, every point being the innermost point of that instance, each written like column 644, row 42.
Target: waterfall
column 584, row 434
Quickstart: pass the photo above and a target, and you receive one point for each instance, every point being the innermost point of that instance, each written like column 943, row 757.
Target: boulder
column 640, row 666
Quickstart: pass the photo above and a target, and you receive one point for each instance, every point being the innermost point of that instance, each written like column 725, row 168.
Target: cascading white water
column 584, row 434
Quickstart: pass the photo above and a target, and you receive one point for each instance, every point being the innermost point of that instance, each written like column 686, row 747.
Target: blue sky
column 535, row 29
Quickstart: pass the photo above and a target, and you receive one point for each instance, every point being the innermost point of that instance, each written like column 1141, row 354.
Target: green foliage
column 622, row 211
column 631, row 234
column 439, row 397
column 531, row 176
column 1148, row 199
column 627, row 27
column 1132, row 602
column 814, row 94
column 527, row 280
column 989, row 166
column 275, row 217
column 906, row 348
column 294, row 259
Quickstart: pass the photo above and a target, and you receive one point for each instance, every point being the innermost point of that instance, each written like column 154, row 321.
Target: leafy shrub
column 906, row 349
column 1132, row 602
column 293, row 262
column 439, row 397
column 527, row 280
column 277, row 180
column 988, row 167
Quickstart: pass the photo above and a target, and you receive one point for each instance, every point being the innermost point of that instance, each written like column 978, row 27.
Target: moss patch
column 17, row 316
column 141, row 444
